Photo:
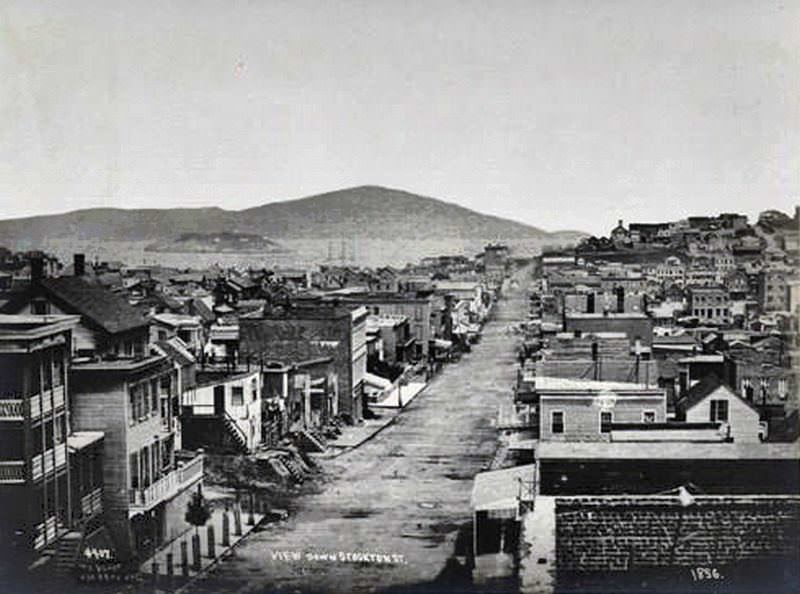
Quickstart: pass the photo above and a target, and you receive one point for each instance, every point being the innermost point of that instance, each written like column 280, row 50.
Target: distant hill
column 366, row 212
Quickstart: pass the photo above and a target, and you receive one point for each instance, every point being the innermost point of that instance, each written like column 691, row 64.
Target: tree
column 197, row 511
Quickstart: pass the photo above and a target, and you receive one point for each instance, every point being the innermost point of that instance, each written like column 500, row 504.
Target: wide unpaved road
column 406, row 492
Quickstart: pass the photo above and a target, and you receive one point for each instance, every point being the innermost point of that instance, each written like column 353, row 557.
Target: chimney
column 37, row 268
column 79, row 264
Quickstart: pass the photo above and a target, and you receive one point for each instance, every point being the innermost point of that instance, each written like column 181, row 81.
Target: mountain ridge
column 361, row 212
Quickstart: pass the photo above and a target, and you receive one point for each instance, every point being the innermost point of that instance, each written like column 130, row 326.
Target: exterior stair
column 65, row 559
column 235, row 433
column 294, row 468
column 309, row 442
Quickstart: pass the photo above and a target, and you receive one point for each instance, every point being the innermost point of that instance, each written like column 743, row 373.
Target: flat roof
column 499, row 489
column 667, row 451
column 703, row 359
column 587, row 335
column 559, row 383
column 121, row 364
column 610, row 315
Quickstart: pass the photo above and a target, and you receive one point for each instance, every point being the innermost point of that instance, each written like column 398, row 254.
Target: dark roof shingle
column 106, row 309
column 702, row 389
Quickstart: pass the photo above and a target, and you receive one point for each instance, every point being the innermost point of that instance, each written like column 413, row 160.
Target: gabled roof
column 98, row 305
column 199, row 308
column 177, row 350
column 703, row 389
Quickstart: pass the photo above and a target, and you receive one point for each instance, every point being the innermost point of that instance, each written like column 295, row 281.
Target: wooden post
column 196, row 552
column 170, row 564
column 226, row 530
column 184, row 559
column 475, row 535
column 237, row 519
column 211, row 543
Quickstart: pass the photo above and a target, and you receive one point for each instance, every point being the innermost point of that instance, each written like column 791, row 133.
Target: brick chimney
column 79, row 264
column 37, row 268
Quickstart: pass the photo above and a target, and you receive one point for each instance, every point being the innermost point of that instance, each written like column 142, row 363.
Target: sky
column 560, row 114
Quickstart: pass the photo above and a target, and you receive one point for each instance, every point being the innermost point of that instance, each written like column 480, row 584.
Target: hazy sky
column 559, row 114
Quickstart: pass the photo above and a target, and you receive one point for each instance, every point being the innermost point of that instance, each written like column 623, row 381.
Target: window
column 132, row 408
column 719, row 411
column 60, row 429
column 47, row 370
column 165, row 412
column 254, row 389
column 154, row 396
column 134, row 464
column 648, row 416
column 764, row 385
column 237, row 396
column 58, row 367
column 167, row 447
column 166, row 385
column 747, row 388
column 782, row 388
column 155, row 458
column 606, row 418
column 144, row 459
column 557, row 422
column 39, row 307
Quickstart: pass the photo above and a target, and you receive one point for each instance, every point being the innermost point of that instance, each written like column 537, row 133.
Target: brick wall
column 623, row 533
column 296, row 339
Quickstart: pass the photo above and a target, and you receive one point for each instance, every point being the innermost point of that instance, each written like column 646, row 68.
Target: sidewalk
column 180, row 579
column 400, row 396
column 354, row 435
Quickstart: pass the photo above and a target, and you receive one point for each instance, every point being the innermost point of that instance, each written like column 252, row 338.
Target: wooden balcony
column 92, row 503
column 46, row 533
column 12, row 410
column 12, row 472
column 41, row 404
column 167, row 486
column 54, row 458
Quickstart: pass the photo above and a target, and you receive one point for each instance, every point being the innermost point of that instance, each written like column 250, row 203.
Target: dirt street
column 403, row 496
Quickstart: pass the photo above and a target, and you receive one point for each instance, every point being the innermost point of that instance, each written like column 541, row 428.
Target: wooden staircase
column 65, row 558
column 311, row 441
column 235, row 433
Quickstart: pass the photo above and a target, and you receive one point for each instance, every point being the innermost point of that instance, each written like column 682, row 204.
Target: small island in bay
column 222, row 242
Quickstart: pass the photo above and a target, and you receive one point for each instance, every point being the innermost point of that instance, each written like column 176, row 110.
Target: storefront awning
column 442, row 344
column 83, row 439
column 499, row 490
column 377, row 381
